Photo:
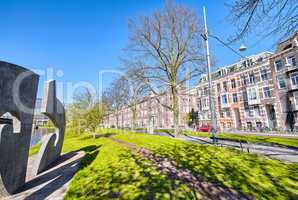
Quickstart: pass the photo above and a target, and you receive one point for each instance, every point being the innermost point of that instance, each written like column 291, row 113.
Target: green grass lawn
column 111, row 171
column 250, row 174
column 289, row 142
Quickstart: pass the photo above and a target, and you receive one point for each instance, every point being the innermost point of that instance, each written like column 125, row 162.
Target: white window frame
column 264, row 74
column 284, row 80
column 233, row 83
column 252, row 91
column 294, row 77
column 264, row 92
column 233, row 95
column 290, row 58
column 275, row 65
column 252, row 78
column 226, row 99
column 295, row 95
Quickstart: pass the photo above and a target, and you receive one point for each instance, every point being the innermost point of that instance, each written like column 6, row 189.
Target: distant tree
column 85, row 113
column 264, row 16
column 137, row 90
column 167, row 49
column 116, row 97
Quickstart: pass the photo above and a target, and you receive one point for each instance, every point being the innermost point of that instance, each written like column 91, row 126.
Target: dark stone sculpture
column 52, row 144
column 18, row 88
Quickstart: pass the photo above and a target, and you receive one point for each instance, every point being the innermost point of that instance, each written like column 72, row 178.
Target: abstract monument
column 18, row 90
column 52, row 145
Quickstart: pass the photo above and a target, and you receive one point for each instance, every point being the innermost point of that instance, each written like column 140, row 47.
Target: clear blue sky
column 82, row 37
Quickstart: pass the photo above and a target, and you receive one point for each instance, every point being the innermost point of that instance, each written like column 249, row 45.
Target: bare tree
column 115, row 97
column 264, row 16
column 137, row 90
column 167, row 49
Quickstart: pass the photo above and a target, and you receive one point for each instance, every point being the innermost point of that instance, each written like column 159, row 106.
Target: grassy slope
column 290, row 142
column 250, row 174
column 109, row 170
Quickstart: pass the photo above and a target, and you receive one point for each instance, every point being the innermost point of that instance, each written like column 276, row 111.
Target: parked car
column 206, row 128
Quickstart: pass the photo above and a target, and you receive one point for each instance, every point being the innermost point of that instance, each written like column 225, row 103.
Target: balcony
column 225, row 105
column 290, row 68
column 254, row 101
column 292, row 86
column 294, row 107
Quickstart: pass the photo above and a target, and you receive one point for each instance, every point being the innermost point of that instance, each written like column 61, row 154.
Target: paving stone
column 52, row 184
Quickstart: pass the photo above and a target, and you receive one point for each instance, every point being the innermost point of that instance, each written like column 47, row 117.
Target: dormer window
column 287, row 47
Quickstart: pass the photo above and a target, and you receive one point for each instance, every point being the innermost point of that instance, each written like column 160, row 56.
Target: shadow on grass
column 91, row 153
column 158, row 184
column 249, row 174
column 105, row 135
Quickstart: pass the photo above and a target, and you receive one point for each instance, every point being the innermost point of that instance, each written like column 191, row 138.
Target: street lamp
column 242, row 47
column 205, row 36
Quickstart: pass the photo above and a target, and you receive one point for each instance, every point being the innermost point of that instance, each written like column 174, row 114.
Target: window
column 257, row 110
column 264, row 75
column 252, row 78
column 233, row 83
column 229, row 125
column 278, row 65
column 267, row 93
column 218, row 87
column 228, row 113
column 243, row 80
column 222, row 114
column 235, row 98
column 224, row 99
column 244, row 95
column 225, row 86
column 252, row 94
column 281, row 82
column 294, row 78
column 205, row 91
column 251, row 112
column 292, row 60
column 296, row 98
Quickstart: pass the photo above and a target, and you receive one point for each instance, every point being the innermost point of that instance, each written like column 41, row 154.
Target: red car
column 205, row 128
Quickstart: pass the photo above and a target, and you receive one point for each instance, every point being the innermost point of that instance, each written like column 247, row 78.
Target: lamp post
column 205, row 36
column 211, row 102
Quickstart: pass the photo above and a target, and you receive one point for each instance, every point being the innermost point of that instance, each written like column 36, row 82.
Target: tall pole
column 211, row 102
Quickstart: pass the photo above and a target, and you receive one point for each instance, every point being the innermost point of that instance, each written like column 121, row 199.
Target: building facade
column 151, row 112
column 257, row 93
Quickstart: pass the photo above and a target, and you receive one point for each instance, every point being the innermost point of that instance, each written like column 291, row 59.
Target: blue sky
column 82, row 37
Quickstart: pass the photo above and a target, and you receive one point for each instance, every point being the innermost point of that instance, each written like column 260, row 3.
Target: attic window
column 287, row 47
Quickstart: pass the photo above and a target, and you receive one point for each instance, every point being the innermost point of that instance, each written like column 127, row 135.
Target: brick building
column 257, row 93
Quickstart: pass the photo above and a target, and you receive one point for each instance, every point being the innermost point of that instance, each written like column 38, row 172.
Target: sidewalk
column 280, row 153
column 273, row 134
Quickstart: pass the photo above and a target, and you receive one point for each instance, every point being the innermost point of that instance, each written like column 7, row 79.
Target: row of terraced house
column 259, row 92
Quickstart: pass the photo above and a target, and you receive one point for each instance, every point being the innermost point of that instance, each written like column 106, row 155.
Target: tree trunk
column 134, row 116
column 117, row 120
column 175, row 111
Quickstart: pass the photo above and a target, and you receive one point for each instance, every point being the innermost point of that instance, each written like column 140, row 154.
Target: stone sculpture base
column 51, row 184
